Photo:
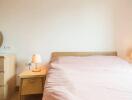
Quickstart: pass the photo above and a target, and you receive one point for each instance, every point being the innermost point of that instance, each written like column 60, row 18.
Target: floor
column 30, row 97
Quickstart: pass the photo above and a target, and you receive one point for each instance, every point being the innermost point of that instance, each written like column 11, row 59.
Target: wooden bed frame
column 55, row 55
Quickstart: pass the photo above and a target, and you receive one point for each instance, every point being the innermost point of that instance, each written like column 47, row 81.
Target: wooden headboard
column 55, row 55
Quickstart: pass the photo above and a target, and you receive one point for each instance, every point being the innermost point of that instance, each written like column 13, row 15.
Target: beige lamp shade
column 36, row 58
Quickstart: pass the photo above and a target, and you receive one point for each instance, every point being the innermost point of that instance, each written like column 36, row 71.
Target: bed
column 88, row 76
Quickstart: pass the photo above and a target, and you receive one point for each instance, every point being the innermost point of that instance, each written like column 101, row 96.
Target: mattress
column 89, row 78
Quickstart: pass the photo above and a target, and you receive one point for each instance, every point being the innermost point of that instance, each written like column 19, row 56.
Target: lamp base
column 36, row 70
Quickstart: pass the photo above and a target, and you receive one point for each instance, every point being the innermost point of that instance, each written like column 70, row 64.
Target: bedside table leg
column 20, row 96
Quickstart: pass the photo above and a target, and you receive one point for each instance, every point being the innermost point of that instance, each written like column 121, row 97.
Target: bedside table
column 32, row 82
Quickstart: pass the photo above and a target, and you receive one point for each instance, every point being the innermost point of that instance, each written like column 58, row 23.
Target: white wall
column 43, row 26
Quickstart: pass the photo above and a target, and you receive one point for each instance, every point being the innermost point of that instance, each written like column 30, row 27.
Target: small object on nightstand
column 32, row 82
column 29, row 65
column 36, row 59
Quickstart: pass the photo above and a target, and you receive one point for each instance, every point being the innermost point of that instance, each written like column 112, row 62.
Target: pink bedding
column 89, row 78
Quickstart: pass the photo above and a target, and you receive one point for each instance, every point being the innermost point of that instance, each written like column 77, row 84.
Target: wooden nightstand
column 32, row 82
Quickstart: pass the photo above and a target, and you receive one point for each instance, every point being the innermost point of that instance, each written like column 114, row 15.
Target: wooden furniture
column 55, row 55
column 1, row 39
column 7, row 76
column 32, row 82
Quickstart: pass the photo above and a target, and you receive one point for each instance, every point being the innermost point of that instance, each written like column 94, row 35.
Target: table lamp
column 36, row 59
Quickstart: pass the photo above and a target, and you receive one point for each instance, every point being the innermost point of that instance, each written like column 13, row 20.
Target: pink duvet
column 89, row 78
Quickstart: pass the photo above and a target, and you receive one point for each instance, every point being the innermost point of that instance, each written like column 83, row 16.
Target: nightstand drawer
column 32, row 86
